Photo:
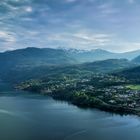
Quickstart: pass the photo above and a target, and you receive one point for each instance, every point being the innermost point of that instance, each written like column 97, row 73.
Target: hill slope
column 109, row 65
column 30, row 57
column 105, row 66
column 132, row 74
column 35, row 57
column 137, row 59
column 34, row 62
column 99, row 54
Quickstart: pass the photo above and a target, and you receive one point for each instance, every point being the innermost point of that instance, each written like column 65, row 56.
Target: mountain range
column 30, row 63
column 23, row 64
column 99, row 54
column 48, row 56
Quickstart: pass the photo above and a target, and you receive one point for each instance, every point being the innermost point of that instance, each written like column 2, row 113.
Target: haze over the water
column 81, row 24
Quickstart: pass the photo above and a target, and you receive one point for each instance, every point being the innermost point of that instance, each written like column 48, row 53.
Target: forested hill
column 29, row 63
column 105, row 66
column 132, row 74
column 137, row 59
column 35, row 57
column 30, row 57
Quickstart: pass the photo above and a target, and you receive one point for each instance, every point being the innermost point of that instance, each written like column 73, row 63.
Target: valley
column 110, row 85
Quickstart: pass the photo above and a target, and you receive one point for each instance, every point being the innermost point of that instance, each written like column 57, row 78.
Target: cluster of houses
column 114, row 94
column 120, row 95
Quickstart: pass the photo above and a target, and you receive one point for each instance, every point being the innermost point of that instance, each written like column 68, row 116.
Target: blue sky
column 81, row 24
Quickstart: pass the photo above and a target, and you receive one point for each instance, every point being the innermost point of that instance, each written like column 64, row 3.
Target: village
column 107, row 89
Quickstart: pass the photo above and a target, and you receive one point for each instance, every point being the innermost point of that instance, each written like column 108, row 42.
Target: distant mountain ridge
column 28, row 58
column 34, row 57
column 66, row 55
column 35, row 61
column 100, row 54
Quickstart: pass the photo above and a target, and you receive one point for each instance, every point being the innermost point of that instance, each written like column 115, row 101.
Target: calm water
column 25, row 116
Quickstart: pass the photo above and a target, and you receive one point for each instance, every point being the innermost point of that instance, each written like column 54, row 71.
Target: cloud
column 28, row 9
column 7, row 37
column 131, row 46
column 80, row 39
column 7, row 40
column 95, row 39
column 71, row 1
column 85, row 24
column 131, row 1
column 107, row 9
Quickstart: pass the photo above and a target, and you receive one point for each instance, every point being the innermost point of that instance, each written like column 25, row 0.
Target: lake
column 28, row 116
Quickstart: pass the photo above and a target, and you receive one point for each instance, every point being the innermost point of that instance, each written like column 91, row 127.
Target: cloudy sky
column 82, row 24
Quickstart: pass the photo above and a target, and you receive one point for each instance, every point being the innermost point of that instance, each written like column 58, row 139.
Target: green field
column 133, row 87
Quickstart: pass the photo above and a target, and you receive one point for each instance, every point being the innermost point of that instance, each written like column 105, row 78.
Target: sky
column 112, row 25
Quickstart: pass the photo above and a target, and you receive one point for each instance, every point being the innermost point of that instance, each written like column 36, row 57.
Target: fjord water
column 28, row 116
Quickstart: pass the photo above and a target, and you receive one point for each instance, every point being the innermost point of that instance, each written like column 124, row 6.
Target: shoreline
column 103, row 107
column 107, row 108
